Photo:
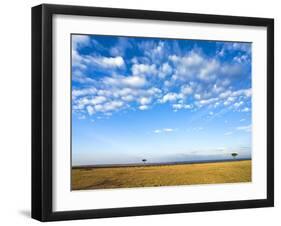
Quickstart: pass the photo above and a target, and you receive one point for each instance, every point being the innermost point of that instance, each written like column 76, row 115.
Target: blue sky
column 159, row 99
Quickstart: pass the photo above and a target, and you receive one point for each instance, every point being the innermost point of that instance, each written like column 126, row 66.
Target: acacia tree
column 144, row 160
column 234, row 154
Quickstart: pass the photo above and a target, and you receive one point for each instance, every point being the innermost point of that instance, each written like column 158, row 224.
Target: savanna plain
column 146, row 175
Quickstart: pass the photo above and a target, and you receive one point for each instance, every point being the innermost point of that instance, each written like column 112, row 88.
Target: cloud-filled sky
column 159, row 99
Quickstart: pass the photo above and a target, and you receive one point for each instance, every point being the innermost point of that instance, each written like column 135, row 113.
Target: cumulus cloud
column 120, row 47
column 80, row 77
column 144, row 69
column 186, row 90
column 169, row 97
column 107, row 62
column 90, row 110
column 246, row 109
column 143, row 107
column 246, row 128
column 109, row 106
column 134, row 81
column 84, row 61
column 180, row 106
column 164, row 130
column 107, row 80
column 80, row 41
column 168, row 130
column 238, row 104
column 83, row 92
column 165, row 70
column 123, row 81
column 144, row 100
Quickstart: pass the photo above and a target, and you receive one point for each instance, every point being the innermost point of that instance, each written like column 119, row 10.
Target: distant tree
column 144, row 160
column 234, row 155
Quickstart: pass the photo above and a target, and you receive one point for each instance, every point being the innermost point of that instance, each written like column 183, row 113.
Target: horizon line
column 156, row 163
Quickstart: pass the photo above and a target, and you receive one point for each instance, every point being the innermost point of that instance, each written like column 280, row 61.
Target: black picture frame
column 42, row 111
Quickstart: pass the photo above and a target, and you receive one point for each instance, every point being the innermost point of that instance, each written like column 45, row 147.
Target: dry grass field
column 163, row 175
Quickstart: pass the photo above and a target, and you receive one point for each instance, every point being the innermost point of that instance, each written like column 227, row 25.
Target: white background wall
column 15, row 119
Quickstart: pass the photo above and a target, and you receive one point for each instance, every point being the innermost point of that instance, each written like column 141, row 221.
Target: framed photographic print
column 145, row 112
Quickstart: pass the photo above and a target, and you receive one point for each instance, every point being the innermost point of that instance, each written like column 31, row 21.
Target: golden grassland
column 163, row 175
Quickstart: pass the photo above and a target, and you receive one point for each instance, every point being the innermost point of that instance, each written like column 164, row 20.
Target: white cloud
column 168, row 83
column 231, row 69
column 164, row 130
column 79, row 76
column 245, row 92
column 241, row 59
column 217, row 89
column 197, row 96
column 83, row 101
column 208, row 71
column 216, row 104
column 177, row 106
column 113, row 105
column 244, row 47
column 77, row 60
column 246, row 109
column 134, row 81
column 108, row 62
column 229, row 100
column 193, row 58
column 247, row 128
column 97, row 100
column 168, row 130
column 103, row 92
column 182, row 106
column 87, row 61
column 186, row 90
column 195, row 65
column 130, row 81
column 125, row 91
column 228, row 133
column 80, row 40
column 144, row 100
column 99, row 107
column 128, row 98
column 106, row 107
column 143, row 107
column 225, row 94
column 121, row 46
column 83, row 92
column 154, row 91
column 174, row 58
column 90, row 110
column 187, row 66
column 165, row 70
column 154, row 50
column 238, row 104
column 144, row 69
column 182, row 80
column 207, row 101
column 169, row 97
